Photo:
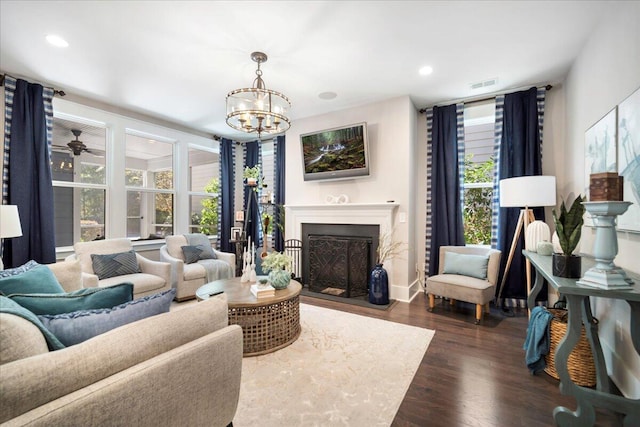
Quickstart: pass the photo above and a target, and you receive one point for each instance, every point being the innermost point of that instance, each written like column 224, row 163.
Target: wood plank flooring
column 471, row 375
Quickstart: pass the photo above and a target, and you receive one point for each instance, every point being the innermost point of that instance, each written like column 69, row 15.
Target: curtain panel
column 445, row 172
column 225, row 207
column 27, row 171
column 518, row 151
column 279, row 196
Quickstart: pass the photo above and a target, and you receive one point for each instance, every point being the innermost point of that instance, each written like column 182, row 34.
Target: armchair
column 187, row 278
column 470, row 274
column 155, row 276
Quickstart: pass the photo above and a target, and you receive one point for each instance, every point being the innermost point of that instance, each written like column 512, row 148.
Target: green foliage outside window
column 208, row 217
column 477, row 202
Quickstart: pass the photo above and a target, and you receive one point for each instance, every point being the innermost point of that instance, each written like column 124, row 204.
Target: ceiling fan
column 76, row 146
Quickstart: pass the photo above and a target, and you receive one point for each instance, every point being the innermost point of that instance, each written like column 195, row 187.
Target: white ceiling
column 177, row 60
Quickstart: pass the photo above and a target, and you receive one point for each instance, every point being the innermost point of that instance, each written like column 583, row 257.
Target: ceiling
column 177, row 60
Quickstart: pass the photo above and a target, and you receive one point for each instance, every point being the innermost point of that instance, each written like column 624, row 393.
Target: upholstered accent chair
column 151, row 276
column 467, row 274
column 187, row 277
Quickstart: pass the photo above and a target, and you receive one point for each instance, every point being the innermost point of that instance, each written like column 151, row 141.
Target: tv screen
column 336, row 153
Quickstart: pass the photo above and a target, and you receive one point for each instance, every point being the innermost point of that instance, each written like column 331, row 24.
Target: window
column 149, row 183
column 204, row 188
column 79, row 180
column 479, row 120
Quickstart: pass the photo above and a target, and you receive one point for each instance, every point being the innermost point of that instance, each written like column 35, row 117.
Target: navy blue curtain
column 252, row 224
column 279, row 175
column 446, row 206
column 28, row 117
column 227, row 180
column 520, row 155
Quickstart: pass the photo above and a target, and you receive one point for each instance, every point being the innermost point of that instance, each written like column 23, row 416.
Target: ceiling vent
column 485, row 83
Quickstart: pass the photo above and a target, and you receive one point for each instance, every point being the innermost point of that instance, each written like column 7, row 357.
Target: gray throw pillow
column 112, row 265
column 82, row 299
column 196, row 253
column 79, row 326
column 466, row 265
column 29, row 278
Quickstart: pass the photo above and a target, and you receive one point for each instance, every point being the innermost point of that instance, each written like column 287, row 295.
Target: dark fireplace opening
column 337, row 258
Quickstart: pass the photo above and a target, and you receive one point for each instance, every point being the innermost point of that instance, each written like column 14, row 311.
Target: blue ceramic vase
column 379, row 286
column 279, row 279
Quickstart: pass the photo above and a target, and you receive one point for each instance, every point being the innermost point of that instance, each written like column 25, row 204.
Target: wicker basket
column 580, row 365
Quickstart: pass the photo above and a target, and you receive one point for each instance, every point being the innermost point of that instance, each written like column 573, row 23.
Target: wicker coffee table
column 268, row 324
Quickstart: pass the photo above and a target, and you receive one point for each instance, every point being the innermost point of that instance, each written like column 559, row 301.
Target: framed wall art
column 629, row 159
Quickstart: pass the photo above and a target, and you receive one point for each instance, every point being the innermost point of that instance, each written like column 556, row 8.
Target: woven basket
column 580, row 365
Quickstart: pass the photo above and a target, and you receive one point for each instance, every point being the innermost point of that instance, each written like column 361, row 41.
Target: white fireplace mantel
column 381, row 214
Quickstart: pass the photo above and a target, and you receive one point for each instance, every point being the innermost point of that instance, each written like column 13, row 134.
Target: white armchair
column 155, row 276
column 187, row 278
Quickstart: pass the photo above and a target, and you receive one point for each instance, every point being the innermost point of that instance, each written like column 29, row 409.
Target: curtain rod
column 55, row 91
column 487, row 98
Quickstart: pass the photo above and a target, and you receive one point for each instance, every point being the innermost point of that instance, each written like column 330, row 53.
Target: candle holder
column 605, row 274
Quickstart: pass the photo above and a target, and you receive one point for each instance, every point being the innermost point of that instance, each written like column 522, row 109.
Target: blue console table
column 579, row 312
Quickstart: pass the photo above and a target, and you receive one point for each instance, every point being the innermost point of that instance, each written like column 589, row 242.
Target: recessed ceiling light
column 57, row 41
column 327, row 95
column 425, row 71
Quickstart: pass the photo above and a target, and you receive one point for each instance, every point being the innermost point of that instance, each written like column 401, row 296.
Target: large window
column 149, row 182
column 79, row 180
column 204, row 189
column 478, row 177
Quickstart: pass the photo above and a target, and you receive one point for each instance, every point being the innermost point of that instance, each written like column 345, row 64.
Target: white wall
column 391, row 126
column 606, row 71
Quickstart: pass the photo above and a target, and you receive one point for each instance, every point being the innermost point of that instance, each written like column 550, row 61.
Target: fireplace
column 337, row 258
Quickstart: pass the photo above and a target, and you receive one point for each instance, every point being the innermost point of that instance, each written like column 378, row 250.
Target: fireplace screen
column 339, row 265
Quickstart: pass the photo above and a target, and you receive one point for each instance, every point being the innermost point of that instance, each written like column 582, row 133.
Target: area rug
column 344, row 369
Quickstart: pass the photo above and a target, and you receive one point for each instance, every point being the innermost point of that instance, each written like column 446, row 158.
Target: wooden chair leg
column 432, row 301
column 452, row 301
column 487, row 309
column 479, row 308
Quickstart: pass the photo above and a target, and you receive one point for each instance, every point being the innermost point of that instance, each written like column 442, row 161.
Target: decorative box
column 606, row 186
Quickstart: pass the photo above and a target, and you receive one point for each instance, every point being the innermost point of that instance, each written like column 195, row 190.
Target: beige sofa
column 155, row 276
column 187, row 278
column 177, row 368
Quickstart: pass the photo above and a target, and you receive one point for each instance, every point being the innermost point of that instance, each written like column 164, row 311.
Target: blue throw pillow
column 196, row 253
column 74, row 328
column 29, row 278
column 112, row 265
column 82, row 299
column 466, row 265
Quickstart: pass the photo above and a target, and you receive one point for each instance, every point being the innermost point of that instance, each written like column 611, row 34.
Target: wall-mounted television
column 336, row 153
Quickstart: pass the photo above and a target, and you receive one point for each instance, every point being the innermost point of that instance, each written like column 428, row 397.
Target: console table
column 579, row 312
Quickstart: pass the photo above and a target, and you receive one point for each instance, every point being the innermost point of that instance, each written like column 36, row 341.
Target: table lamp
column 9, row 225
column 525, row 192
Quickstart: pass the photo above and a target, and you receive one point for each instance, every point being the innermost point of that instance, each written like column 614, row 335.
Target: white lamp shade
column 528, row 191
column 9, row 221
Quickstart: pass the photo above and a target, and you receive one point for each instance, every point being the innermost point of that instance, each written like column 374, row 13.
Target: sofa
column 177, row 368
column 153, row 277
column 187, row 278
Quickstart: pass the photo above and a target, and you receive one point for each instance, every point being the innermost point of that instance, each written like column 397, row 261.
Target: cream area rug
column 343, row 370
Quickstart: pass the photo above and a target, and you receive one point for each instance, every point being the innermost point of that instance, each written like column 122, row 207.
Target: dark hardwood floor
column 471, row 375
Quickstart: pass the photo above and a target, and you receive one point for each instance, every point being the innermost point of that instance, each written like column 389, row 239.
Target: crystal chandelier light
column 258, row 109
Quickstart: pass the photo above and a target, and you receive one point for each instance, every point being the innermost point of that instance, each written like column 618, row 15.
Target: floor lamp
column 525, row 192
column 9, row 225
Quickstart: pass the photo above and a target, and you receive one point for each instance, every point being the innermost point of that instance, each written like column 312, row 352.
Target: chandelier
column 258, row 109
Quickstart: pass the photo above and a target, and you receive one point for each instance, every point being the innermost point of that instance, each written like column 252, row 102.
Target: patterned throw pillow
column 196, row 253
column 112, row 265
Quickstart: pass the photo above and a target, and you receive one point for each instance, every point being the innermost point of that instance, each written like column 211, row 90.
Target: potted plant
column 278, row 265
column 252, row 175
column 568, row 228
